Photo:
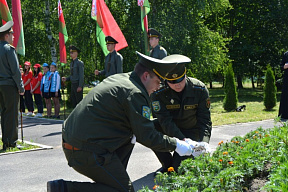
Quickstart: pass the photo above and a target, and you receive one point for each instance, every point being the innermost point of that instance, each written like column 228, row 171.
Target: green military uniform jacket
column 189, row 114
column 158, row 52
column 76, row 72
column 9, row 67
column 111, row 113
column 113, row 64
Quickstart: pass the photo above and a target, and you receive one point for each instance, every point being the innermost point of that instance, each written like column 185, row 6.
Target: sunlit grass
column 24, row 146
column 252, row 98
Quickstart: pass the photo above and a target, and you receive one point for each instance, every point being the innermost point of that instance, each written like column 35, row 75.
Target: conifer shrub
column 269, row 89
column 230, row 100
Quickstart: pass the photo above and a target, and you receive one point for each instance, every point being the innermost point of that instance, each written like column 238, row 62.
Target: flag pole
column 63, row 92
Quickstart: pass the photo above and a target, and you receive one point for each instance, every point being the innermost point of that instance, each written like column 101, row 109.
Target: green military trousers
column 76, row 97
column 9, row 99
column 174, row 160
column 107, row 170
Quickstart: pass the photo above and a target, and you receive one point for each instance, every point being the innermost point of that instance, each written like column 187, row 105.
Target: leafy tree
column 257, row 29
column 270, row 89
column 230, row 100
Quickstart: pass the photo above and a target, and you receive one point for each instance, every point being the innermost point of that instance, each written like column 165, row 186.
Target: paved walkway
column 29, row 171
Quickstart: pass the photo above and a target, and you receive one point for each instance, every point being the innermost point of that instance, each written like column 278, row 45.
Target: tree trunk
column 252, row 80
column 49, row 32
column 239, row 82
column 210, row 84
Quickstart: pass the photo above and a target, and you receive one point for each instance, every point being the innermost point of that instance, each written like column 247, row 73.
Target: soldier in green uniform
column 76, row 76
column 11, row 85
column 113, row 61
column 98, row 135
column 182, row 108
column 157, row 51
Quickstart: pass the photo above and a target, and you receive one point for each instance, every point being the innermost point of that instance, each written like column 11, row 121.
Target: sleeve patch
column 156, row 106
column 146, row 112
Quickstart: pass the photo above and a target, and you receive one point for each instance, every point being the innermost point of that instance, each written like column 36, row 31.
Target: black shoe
column 56, row 186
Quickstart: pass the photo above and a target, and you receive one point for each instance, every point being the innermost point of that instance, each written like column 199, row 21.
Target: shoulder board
column 163, row 89
column 11, row 46
column 161, row 48
column 198, row 87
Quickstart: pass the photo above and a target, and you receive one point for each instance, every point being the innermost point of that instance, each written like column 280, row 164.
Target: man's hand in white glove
column 183, row 148
column 192, row 143
column 202, row 147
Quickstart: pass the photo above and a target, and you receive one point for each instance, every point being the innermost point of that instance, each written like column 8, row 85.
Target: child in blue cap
column 45, row 86
column 55, row 89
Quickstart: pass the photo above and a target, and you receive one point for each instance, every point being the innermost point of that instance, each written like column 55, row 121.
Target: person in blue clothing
column 55, row 89
column 45, row 86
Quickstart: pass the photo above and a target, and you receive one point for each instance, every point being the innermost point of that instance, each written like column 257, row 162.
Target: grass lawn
column 252, row 98
column 24, row 146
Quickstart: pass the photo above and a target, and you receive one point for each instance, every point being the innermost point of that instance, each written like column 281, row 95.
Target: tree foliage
column 182, row 24
column 210, row 32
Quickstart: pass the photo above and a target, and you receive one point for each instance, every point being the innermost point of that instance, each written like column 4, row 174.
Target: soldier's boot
column 56, row 186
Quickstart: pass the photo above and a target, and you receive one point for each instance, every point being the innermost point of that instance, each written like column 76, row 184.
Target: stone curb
column 41, row 147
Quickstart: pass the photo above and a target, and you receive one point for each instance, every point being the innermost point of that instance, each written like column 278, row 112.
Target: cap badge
column 174, row 75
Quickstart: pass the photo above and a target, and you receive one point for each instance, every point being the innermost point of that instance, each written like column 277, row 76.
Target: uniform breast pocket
column 191, row 109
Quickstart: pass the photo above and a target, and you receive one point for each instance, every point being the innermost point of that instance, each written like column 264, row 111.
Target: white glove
column 192, row 143
column 202, row 147
column 133, row 140
column 183, row 148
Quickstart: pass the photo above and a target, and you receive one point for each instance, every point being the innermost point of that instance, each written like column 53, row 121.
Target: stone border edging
column 41, row 147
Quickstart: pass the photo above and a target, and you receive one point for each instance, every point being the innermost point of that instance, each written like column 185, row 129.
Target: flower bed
column 237, row 165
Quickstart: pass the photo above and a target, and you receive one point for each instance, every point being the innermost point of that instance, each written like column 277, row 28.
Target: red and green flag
column 145, row 9
column 106, row 26
column 18, row 42
column 4, row 11
column 63, row 36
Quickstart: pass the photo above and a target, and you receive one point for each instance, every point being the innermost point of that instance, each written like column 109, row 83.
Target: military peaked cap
column 177, row 74
column 160, row 67
column 110, row 40
column 6, row 27
column 153, row 33
column 74, row 48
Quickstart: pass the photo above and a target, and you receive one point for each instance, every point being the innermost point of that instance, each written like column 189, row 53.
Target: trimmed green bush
column 230, row 100
column 269, row 89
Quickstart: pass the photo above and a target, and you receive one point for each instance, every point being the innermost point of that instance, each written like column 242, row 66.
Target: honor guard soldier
column 99, row 134
column 157, row 51
column 182, row 109
column 11, row 85
column 283, row 107
column 76, row 76
column 113, row 61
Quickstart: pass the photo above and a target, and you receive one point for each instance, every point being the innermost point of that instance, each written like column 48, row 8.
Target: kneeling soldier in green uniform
column 98, row 136
column 11, row 85
column 182, row 108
